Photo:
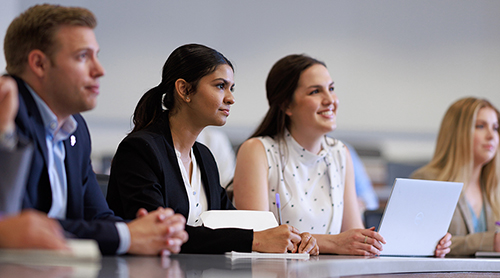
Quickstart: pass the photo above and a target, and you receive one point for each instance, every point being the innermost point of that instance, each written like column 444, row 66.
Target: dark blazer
column 145, row 174
column 88, row 215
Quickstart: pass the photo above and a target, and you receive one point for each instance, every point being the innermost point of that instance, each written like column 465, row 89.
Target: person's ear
column 38, row 62
column 288, row 111
column 182, row 89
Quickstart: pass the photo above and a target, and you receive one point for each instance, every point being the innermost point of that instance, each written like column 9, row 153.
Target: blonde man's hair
column 36, row 28
column 453, row 158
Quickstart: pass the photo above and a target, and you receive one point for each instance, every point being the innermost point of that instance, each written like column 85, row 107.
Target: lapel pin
column 73, row 140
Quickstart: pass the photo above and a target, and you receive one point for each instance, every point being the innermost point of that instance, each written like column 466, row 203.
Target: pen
column 278, row 206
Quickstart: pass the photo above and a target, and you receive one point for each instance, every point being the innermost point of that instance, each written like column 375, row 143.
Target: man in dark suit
column 28, row 229
column 51, row 53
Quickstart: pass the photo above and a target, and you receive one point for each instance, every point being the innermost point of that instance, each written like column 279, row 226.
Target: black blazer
column 88, row 215
column 145, row 174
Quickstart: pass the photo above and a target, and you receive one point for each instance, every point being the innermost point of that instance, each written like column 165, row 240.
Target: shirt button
column 194, row 192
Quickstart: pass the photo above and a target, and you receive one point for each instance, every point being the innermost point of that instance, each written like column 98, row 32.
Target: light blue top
column 364, row 186
column 56, row 154
column 57, row 171
column 478, row 222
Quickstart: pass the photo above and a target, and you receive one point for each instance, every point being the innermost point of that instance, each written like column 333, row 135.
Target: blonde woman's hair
column 453, row 158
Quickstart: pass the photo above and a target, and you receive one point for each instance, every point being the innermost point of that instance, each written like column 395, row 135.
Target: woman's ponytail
column 149, row 108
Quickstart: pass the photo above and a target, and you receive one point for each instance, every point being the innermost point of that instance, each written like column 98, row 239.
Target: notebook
column 256, row 255
column 242, row 219
column 246, row 219
column 417, row 216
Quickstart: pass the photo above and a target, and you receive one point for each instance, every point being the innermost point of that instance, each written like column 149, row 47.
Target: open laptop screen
column 417, row 216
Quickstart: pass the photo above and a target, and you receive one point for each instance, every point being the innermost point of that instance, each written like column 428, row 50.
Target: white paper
column 257, row 255
column 243, row 219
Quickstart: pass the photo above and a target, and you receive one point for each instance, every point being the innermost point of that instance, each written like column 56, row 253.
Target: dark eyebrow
column 223, row 80
column 319, row 86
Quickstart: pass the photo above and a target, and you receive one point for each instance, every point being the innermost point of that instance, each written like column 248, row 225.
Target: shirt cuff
column 124, row 234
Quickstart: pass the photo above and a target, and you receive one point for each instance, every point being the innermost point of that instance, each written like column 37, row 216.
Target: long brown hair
column 453, row 158
column 281, row 83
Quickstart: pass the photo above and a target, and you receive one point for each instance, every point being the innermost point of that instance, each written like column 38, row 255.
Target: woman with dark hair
column 290, row 154
column 467, row 151
column 159, row 164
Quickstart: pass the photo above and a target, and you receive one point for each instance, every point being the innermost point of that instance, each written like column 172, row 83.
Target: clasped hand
column 160, row 231
column 284, row 238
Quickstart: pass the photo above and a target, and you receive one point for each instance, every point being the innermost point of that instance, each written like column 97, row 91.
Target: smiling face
column 313, row 109
column 211, row 102
column 70, row 83
column 486, row 136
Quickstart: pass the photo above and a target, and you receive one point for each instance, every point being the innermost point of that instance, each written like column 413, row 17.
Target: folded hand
column 276, row 240
column 308, row 244
column 160, row 231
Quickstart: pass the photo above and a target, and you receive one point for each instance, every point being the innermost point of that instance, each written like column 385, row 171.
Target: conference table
column 220, row 266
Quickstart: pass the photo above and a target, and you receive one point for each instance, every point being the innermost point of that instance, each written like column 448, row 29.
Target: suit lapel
column 490, row 225
column 466, row 213
column 30, row 125
column 172, row 159
column 35, row 120
column 204, row 177
column 73, row 198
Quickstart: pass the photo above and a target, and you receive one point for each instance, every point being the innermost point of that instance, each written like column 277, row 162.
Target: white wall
column 397, row 64
column 9, row 9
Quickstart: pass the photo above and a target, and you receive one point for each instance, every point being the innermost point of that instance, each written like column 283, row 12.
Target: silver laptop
column 417, row 216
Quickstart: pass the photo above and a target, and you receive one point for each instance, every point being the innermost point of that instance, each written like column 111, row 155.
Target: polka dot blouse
column 311, row 186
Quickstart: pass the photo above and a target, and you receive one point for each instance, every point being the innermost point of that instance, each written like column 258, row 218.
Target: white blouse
column 311, row 186
column 196, row 192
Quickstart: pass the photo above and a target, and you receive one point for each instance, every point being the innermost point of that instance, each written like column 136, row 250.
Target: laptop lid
column 417, row 216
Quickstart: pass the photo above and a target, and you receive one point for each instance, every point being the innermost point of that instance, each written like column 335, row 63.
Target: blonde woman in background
column 467, row 151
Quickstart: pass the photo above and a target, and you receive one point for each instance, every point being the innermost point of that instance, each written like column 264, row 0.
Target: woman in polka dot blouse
column 290, row 154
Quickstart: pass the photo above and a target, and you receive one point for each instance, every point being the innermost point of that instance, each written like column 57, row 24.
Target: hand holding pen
column 278, row 207
column 308, row 243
